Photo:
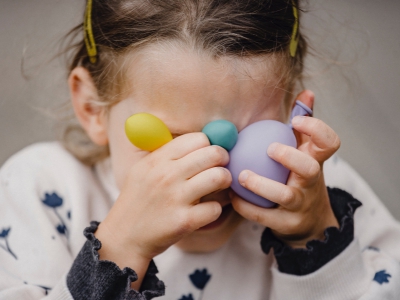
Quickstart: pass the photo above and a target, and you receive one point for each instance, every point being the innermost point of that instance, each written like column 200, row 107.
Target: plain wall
column 355, row 73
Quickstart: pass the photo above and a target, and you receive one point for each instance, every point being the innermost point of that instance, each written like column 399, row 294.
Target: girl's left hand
column 304, row 211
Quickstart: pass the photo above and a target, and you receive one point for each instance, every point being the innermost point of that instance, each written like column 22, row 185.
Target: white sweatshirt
column 47, row 198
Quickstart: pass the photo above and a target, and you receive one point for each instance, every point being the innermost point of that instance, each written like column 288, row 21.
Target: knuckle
column 184, row 223
column 203, row 139
column 294, row 224
column 227, row 177
column 318, row 124
column 281, row 152
column 253, row 183
column 217, row 155
column 286, row 196
column 215, row 210
column 169, row 200
column 220, row 176
column 167, row 178
column 257, row 217
column 336, row 143
column 149, row 164
column 313, row 169
column 333, row 140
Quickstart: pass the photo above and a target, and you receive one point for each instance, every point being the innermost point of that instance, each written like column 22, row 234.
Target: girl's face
column 188, row 89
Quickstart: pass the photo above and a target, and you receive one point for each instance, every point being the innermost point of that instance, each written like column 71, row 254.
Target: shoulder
column 338, row 173
column 47, row 197
column 42, row 169
column 45, row 182
column 374, row 224
column 42, row 155
column 42, row 160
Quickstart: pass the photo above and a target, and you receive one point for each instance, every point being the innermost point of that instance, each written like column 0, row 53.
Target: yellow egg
column 146, row 131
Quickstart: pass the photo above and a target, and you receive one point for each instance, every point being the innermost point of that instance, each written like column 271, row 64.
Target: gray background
column 354, row 71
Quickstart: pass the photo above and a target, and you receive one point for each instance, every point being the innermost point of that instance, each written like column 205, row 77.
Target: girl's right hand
column 160, row 201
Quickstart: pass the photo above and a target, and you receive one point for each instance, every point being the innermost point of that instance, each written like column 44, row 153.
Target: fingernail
column 272, row 148
column 243, row 176
column 298, row 120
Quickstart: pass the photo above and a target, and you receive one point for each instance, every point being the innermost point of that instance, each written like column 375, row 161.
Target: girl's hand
column 304, row 211
column 160, row 201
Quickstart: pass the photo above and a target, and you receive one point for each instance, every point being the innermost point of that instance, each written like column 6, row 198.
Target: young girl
column 190, row 62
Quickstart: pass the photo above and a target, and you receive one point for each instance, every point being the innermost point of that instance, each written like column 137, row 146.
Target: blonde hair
column 220, row 27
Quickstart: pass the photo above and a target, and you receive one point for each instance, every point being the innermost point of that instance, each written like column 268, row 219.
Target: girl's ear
column 92, row 117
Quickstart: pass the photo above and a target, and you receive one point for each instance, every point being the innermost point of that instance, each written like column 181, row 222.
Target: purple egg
column 250, row 153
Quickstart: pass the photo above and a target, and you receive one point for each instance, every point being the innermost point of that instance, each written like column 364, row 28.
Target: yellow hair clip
column 295, row 36
column 89, row 38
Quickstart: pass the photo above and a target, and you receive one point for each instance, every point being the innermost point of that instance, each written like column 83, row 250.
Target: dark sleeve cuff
column 317, row 253
column 91, row 278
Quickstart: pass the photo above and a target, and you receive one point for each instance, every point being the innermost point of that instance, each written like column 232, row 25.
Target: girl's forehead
column 171, row 64
column 174, row 53
column 194, row 88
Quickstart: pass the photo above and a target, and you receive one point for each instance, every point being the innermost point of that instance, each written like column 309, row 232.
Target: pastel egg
column 222, row 133
column 146, row 131
column 250, row 153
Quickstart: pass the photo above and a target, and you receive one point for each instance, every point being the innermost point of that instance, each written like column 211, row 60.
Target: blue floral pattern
column 373, row 248
column 200, row 278
column 61, row 229
column 54, row 201
column 3, row 235
column 381, row 277
column 46, row 289
column 188, row 297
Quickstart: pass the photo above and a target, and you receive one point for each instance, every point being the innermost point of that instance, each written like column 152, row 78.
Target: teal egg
column 222, row 133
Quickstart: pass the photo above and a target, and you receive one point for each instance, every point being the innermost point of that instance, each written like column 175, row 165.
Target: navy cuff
column 91, row 278
column 317, row 253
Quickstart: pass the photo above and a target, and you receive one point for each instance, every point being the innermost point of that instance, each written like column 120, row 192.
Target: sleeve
column 92, row 278
column 336, row 268
column 39, row 241
column 34, row 246
column 317, row 253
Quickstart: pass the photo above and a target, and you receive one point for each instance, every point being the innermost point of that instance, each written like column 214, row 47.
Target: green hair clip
column 295, row 34
column 88, row 31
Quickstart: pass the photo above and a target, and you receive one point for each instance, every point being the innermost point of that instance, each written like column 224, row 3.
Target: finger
column 207, row 182
column 323, row 140
column 296, row 161
column 306, row 97
column 202, row 159
column 270, row 189
column 204, row 213
column 275, row 218
column 183, row 145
